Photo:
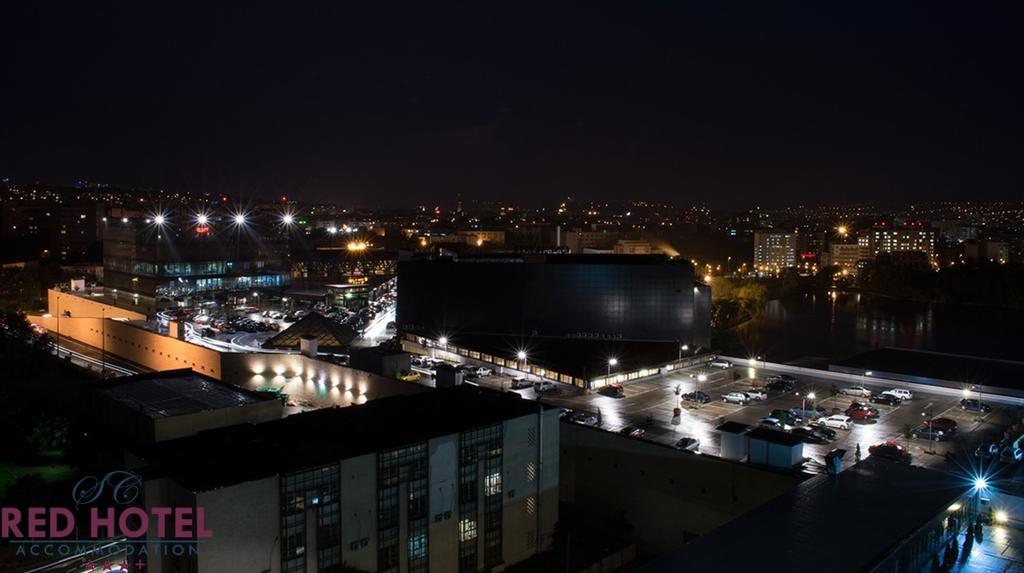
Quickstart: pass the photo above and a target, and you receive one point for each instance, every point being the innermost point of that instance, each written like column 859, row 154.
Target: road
column 650, row 403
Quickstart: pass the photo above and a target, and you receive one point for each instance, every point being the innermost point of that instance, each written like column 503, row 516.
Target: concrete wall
column 136, row 344
column 666, row 495
column 245, row 522
column 530, row 486
column 443, row 538
column 359, row 512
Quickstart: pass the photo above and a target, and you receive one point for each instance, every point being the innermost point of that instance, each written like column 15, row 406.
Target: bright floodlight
column 810, row 396
column 240, row 219
column 521, row 355
column 613, row 361
column 202, row 219
column 287, row 219
column 159, row 219
column 980, row 483
column 686, row 347
column 443, row 340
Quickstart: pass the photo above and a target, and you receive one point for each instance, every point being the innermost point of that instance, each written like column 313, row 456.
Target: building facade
column 470, row 494
column 610, row 297
column 774, row 250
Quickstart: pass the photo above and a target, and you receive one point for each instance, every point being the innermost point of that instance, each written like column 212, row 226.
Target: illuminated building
column 774, row 250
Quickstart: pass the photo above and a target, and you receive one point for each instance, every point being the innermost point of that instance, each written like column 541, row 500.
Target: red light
column 284, row 198
column 202, row 230
column 223, row 198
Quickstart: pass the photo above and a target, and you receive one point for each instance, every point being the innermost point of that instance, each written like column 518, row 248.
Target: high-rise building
column 459, row 479
column 846, row 256
column 774, row 250
column 884, row 239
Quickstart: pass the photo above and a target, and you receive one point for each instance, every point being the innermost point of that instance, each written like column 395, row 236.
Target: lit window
column 467, row 530
column 492, row 484
column 418, row 546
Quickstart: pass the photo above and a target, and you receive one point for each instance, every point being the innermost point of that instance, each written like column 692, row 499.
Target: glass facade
column 315, row 490
column 601, row 297
column 402, row 476
column 480, row 461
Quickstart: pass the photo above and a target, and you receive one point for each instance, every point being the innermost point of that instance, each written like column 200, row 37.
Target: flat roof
column 578, row 357
column 808, row 529
column 940, row 366
column 176, row 393
column 775, row 437
column 236, row 454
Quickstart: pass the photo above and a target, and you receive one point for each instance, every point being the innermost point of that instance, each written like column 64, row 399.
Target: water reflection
column 842, row 324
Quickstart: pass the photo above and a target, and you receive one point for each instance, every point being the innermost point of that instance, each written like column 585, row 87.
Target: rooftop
column 236, row 454
column 802, row 531
column 176, row 393
column 940, row 366
column 774, row 437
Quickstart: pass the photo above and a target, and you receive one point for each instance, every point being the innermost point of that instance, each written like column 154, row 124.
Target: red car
column 890, row 450
column 946, row 425
column 861, row 413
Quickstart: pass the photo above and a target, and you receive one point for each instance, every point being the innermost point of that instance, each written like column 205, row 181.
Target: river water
column 839, row 325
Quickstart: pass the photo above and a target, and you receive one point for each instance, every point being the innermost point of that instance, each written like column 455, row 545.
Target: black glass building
column 599, row 297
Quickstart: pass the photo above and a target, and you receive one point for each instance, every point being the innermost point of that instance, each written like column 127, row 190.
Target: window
column 418, row 546
column 467, row 530
column 492, row 484
column 531, row 505
column 531, row 471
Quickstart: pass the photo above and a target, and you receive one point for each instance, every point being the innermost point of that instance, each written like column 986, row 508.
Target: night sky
column 379, row 103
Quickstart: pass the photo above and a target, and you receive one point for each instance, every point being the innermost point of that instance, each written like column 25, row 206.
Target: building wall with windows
column 774, row 250
column 477, row 500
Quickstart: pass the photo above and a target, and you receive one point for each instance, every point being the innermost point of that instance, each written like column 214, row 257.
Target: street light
column 159, row 220
column 611, row 362
column 287, row 218
column 202, row 219
column 240, row 218
column 443, row 341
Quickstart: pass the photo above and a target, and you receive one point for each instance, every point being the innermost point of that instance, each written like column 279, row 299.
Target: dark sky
column 396, row 104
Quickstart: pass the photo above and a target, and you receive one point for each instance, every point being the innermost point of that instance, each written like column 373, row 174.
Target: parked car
column 809, row 435
column 887, row 399
column 946, row 425
column 924, row 432
column 719, row 363
column 615, row 390
column 838, row 421
column 484, row 371
column 782, row 378
column 735, row 398
column 542, row 386
column 756, row 394
column 779, row 386
column 786, row 416
column 773, row 423
column 900, row 393
column 890, row 450
column 582, row 418
column 632, row 431
column 862, row 412
column 688, row 444
column 987, row 451
column 859, row 391
column 1011, row 454
column 520, row 382
column 806, row 414
column 973, row 405
column 697, row 397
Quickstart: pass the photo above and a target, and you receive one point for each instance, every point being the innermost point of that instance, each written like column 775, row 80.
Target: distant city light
column 332, row 230
column 202, row 219
column 159, row 219
column 287, row 219
column 240, row 219
column 124, row 219
column 357, row 246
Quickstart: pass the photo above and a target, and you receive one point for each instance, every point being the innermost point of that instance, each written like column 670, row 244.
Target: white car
column 543, row 386
column 900, row 393
column 856, row 391
column 721, row 363
column 836, row 421
column 735, row 398
column 484, row 371
column 756, row 394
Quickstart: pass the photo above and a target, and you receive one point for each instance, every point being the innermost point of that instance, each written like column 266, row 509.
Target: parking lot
column 649, row 405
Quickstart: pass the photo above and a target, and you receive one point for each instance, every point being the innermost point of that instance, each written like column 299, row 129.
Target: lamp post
column 611, row 362
column 682, row 349
column 521, row 356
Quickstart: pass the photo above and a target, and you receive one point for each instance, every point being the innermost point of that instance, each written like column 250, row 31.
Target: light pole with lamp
column 682, row 349
column 611, row 362
column 521, row 356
